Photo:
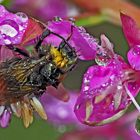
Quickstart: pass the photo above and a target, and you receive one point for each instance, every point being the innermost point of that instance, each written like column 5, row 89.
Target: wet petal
column 103, row 97
column 99, row 113
column 99, row 77
column 104, row 53
column 5, row 119
column 134, row 57
column 12, row 26
column 131, row 31
column 84, row 44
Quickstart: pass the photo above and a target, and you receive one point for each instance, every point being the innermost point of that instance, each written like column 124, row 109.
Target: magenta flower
column 12, row 26
column 107, row 88
column 20, row 31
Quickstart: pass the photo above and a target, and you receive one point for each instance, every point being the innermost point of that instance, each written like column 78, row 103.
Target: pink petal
column 59, row 112
column 84, row 44
column 134, row 57
column 103, row 96
column 131, row 31
column 12, row 26
column 5, row 119
column 104, row 53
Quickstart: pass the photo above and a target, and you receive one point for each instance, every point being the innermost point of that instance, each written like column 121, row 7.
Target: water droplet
column 8, row 30
column 136, row 50
column 86, row 81
column 56, row 18
column 137, row 125
column 6, row 41
column 105, row 84
column 101, row 61
column 112, row 77
column 103, row 55
column 81, row 29
column 23, row 17
column 72, row 20
column 21, row 28
column 102, row 58
column 119, row 87
column 77, row 107
column 86, row 88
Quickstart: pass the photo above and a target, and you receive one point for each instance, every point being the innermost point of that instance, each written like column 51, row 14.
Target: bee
column 23, row 80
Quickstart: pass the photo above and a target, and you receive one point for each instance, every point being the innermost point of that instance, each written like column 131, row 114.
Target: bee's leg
column 65, row 41
column 46, row 33
column 15, row 49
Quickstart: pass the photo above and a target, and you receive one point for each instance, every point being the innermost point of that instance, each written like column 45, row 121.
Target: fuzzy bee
column 22, row 80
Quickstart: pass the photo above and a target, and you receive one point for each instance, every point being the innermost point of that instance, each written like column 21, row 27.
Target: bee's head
column 64, row 56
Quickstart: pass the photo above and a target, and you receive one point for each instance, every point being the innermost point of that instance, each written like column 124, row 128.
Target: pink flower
column 107, row 88
column 12, row 26
column 20, row 31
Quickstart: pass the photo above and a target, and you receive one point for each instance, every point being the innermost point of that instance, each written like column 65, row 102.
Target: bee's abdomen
column 46, row 75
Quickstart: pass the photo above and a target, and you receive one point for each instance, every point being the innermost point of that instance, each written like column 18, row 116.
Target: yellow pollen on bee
column 58, row 58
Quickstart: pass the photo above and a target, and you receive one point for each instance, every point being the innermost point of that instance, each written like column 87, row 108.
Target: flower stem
column 132, row 98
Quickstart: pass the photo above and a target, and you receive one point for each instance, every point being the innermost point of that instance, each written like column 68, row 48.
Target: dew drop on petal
column 136, row 50
column 77, row 106
column 7, row 42
column 23, row 17
column 134, row 56
column 82, row 29
column 137, row 125
column 72, row 20
column 56, row 18
column 102, row 57
column 8, row 30
column 21, row 28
